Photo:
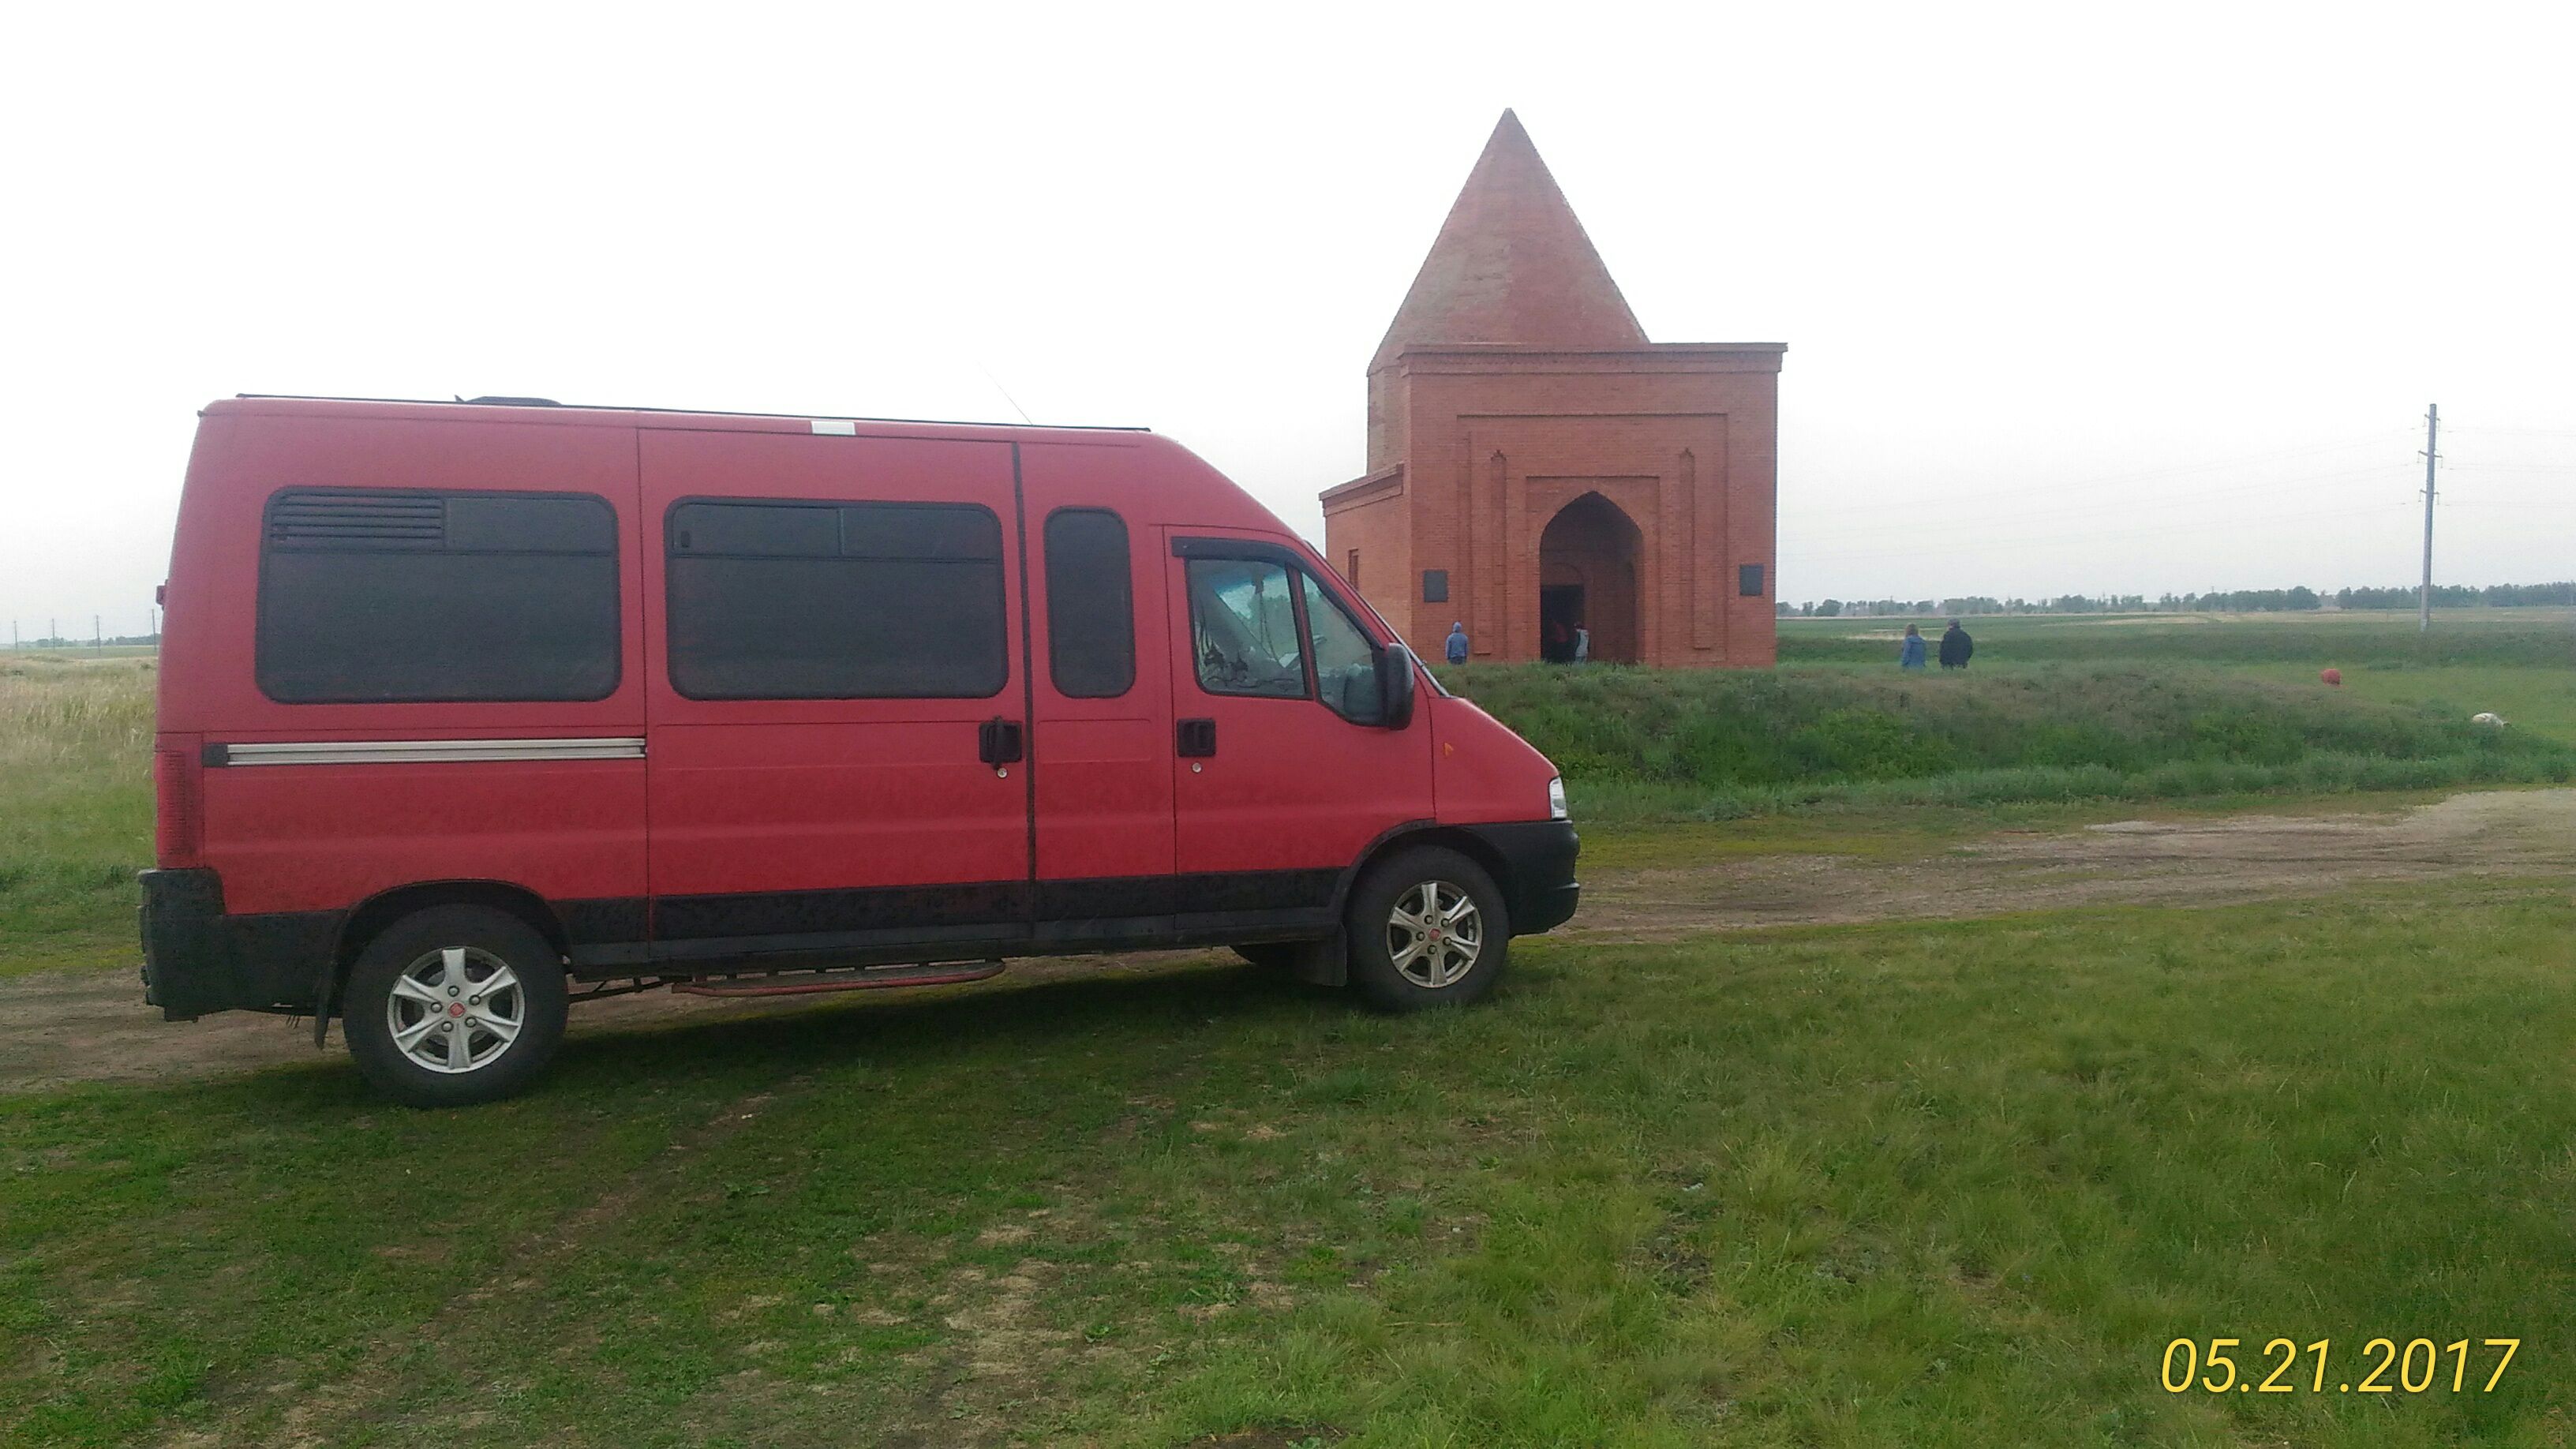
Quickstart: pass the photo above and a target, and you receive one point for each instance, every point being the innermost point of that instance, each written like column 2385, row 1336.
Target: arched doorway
column 1587, row 576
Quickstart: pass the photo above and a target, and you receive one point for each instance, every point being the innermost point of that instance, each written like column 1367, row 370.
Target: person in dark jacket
column 1956, row 646
column 1457, row 650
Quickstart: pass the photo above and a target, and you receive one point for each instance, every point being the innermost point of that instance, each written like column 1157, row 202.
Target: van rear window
column 835, row 601
column 382, row 597
column 1091, row 610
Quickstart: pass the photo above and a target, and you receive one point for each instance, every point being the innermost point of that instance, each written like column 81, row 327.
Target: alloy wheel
column 456, row 1009
column 1434, row 934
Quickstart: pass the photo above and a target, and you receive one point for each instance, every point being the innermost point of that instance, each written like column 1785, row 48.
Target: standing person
column 1582, row 642
column 1956, row 646
column 1457, row 650
column 1909, row 655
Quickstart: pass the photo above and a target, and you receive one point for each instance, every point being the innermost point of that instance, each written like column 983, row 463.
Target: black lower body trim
column 1008, row 917
column 197, row 959
column 1538, row 885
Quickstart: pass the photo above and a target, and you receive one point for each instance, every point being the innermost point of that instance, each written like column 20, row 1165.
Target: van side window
column 1345, row 661
column 835, row 601
column 382, row 596
column 1091, row 609
column 1243, row 628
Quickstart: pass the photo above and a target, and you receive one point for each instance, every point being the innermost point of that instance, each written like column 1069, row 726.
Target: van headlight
column 1556, row 798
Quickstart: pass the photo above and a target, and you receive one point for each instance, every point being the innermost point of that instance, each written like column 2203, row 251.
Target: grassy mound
column 1714, row 744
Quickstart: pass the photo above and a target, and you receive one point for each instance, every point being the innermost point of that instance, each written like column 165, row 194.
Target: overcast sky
column 2077, row 297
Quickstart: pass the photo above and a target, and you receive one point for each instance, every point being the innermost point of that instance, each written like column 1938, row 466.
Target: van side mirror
column 1394, row 686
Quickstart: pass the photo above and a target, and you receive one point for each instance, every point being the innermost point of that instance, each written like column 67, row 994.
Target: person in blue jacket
column 1457, row 650
column 1909, row 655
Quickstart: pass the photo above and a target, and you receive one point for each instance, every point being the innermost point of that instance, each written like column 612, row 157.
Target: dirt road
column 2206, row 861
column 72, row 1026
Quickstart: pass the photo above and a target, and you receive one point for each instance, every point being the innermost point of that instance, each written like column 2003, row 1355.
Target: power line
column 2480, row 430
column 2197, row 527
column 1958, row 519
column 2064, row 484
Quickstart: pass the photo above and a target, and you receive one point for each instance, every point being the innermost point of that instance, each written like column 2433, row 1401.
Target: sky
column 2098, row 299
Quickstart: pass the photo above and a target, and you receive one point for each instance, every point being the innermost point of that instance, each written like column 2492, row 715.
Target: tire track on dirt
column 85, row 1026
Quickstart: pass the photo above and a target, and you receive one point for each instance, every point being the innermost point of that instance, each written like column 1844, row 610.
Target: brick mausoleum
column 1534, row 460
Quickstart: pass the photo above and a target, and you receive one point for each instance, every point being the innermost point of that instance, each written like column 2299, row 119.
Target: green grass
column 2541, row 701
column 1644, row 745
column 1912, row 1185
column 75, row 807
column 2531, row 638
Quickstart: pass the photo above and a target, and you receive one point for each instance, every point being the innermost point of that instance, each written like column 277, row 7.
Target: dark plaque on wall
column 1748, row 581
column 1435, row 585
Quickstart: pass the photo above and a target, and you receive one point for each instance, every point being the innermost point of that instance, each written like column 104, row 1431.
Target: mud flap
column 1323, row 963
column 322, row 1004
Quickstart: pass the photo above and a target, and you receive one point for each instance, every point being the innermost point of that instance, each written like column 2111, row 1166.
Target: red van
column 469, row 710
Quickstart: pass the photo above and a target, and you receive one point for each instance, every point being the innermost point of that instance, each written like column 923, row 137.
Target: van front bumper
column 1538, row 884
column 197, row 959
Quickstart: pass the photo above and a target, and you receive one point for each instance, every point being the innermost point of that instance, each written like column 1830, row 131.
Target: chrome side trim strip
column 415, row 752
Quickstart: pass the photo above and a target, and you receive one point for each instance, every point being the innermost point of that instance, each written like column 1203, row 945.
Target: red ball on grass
column 2331, row 676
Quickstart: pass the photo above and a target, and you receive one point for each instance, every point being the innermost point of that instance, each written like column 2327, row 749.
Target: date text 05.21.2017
column 2288, row 1367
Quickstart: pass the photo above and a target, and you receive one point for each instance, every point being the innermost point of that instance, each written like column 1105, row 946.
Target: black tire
column 418, row 947
column 1390, row 985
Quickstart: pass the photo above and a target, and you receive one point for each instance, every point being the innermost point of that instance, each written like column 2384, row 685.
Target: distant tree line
column 2221, row 601
column 65, row 641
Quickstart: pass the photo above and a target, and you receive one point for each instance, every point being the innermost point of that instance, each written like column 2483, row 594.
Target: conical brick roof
column 1512, row 265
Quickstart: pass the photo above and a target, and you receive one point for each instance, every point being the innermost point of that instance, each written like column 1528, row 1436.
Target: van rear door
column 837, row 711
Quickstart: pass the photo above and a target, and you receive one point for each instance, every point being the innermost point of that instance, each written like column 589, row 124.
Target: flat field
column 75, row 807
column 2520, row 663
column 1930, row 1183
column 1858, row 1118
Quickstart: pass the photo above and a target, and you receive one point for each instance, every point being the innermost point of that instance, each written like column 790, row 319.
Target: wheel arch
column 1414, row 833
column 371, row 916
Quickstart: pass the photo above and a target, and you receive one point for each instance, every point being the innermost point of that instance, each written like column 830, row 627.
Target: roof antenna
column 1005, row 392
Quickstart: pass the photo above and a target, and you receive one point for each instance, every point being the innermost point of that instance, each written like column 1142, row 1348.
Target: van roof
column 545, row 410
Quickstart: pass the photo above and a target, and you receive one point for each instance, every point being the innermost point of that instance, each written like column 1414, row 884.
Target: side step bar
column 808, row 983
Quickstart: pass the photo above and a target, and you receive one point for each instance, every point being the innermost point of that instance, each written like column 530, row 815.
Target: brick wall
column 1371, row 515
column 1681, row 439
column 1514, row 381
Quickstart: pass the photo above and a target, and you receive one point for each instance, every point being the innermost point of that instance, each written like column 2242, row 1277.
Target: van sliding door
column 838, row 712
column 1102, row 731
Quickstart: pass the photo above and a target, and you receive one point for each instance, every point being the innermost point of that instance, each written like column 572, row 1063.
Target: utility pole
column 2424, row 601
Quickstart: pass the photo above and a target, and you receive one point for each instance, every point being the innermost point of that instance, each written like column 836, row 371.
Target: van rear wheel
column 1427, row 928
column 454, row 1005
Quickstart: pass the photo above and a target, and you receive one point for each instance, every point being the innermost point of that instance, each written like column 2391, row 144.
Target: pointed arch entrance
column 1587, row 578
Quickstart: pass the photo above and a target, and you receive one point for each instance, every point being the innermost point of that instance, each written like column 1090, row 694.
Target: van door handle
column 1000, row 742
column 1198, row 738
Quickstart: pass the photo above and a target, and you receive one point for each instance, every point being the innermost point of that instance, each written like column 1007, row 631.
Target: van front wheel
column 454, row 1005
column 1427, row 928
